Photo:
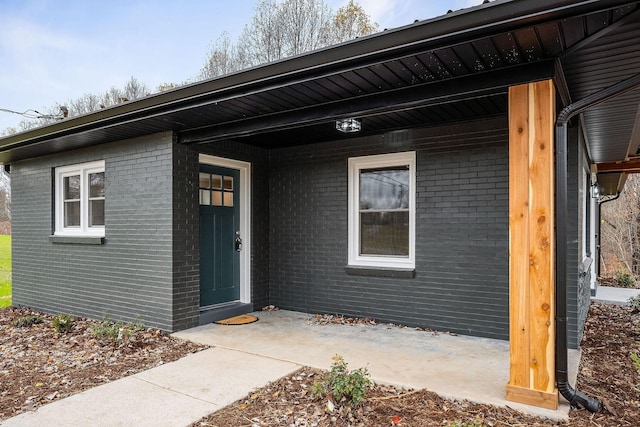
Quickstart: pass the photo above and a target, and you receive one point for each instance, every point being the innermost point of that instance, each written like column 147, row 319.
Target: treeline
column 278, row 29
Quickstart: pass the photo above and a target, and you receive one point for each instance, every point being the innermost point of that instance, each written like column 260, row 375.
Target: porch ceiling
column 445, row 70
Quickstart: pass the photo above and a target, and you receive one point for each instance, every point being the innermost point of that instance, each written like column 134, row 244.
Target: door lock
column 238, row 243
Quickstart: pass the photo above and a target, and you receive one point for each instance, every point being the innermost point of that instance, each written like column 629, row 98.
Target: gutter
column 575, row 398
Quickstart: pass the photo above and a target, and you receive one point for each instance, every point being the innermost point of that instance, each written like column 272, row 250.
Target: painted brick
column 461, row 281
column 131, row 276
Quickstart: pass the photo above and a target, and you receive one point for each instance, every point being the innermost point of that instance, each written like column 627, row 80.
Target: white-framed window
column 382, row 194
column 80, row 199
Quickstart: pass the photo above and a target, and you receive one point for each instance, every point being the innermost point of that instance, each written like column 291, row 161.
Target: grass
column 5, row 271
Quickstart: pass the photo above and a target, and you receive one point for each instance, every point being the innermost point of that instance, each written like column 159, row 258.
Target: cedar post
column 531, row 245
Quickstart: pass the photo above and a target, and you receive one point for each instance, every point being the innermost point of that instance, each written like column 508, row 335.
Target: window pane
column 217, row 198
column 205, row 181
column 386, row 188
column 228, row 199
column 72, row 187
column 384, row 233
column 216, row 182
column 96, row 184
column 72, row 214
column 228, row 183
column 96, row 213
column 205, row 197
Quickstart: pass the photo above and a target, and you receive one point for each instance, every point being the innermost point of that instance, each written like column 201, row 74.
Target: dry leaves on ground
column 38, row 365
column 606, row 372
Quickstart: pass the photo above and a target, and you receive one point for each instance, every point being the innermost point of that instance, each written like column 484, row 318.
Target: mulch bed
column 606, row 372
column 38, row 365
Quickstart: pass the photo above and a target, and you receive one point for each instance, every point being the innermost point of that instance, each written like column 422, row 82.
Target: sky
column 55, row 51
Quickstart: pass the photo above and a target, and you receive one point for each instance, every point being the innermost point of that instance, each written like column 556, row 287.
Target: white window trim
column 383, row 160
column 83, row 169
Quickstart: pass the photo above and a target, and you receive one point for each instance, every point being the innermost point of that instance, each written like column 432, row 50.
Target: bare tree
column 620, row 231
column 351, row 21
column 284, row 28
column 223, row 58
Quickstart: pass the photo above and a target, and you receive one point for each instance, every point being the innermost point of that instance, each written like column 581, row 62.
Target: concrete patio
column 458, row 367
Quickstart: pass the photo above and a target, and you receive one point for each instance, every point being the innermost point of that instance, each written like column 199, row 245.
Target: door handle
column 238, row 242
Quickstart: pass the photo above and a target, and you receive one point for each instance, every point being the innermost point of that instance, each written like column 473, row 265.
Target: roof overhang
column 452, row 68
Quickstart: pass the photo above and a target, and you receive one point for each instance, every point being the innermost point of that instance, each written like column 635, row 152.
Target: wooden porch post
column 531, row 245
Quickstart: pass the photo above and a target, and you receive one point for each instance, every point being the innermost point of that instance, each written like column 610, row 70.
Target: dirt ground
column 606, row 372
column 38, row 366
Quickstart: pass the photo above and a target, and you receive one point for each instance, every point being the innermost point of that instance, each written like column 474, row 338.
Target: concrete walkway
column 609, row 295
column 249, row 356
column 171, row 395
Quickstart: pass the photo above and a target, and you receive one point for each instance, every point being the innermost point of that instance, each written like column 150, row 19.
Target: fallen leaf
column 330, row 406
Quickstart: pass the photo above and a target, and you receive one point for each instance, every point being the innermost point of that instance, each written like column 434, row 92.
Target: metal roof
column 453, row 68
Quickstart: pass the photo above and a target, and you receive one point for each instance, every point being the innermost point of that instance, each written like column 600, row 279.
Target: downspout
column 575, row 398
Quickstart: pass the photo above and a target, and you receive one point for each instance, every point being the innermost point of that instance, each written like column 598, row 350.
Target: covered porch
column 453, row 366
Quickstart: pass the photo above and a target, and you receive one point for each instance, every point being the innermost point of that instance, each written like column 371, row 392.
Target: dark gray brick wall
column 259, row 159
column 129, row 277
column 462, row 272
column 186, row 238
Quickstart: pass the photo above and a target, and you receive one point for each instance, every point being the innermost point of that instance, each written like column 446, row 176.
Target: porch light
column 349, row 125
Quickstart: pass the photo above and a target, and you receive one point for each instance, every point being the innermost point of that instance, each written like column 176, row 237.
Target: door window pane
column 216, row 182
column 228, row 183
column 217, row 198
column 228, row 199
column 205, row 180
column 205, row 197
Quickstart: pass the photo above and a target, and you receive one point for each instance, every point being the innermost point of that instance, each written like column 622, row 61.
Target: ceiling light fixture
column 349, row 125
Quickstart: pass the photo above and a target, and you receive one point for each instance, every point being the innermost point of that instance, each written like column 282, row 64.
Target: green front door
column 220, row 240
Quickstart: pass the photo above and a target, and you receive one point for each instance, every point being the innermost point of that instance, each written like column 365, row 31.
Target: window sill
column 394, row 272
column 78, row 240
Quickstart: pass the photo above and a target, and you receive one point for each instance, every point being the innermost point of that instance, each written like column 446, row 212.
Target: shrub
column 63, row 323
column 115, row 332
column 634, row 302
column 27, row 321
column 342, row 385
column 624, row 279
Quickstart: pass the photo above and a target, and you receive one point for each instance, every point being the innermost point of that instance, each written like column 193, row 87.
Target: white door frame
column 245, row 218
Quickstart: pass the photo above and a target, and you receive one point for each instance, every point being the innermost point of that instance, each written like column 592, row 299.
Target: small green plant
column 634, row 303
column 115, row 332
column 342, row 384
column 27, row 321
column 636, row 361
column 62, row 323
column 624, row 279
column 473, row 424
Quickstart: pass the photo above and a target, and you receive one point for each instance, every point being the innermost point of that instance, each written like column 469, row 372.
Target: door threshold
column 224, row 311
